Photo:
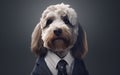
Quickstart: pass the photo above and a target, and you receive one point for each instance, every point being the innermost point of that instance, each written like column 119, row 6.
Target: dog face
column 58, row 30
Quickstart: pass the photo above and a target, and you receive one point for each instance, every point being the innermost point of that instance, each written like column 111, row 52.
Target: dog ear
column 80, row 47
column 37, row 42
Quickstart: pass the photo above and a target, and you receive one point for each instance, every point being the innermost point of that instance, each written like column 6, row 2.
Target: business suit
column 41, row 68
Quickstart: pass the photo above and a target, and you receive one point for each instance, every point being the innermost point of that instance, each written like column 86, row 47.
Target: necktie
column 61, row 66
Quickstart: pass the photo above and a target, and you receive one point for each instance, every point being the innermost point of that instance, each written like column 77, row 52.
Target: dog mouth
column 58, row 39
column 59, row 43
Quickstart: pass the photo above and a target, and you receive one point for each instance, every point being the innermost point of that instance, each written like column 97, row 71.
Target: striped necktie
column 61, row 66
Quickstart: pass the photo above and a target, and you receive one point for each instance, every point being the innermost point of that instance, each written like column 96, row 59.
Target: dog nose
column 58, row 32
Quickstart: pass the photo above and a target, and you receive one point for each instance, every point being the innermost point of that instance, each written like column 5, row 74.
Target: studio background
column 100, row 19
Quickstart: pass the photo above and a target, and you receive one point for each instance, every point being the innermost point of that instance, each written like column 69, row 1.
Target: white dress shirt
column 52, row 60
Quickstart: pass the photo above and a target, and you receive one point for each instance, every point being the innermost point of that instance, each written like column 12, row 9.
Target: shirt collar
column 52, row 57
column 68, row 58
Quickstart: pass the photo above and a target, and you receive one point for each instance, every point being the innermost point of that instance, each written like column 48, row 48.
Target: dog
column 59, row 36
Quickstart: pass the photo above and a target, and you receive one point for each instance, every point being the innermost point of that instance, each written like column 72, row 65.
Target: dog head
column 59, row 30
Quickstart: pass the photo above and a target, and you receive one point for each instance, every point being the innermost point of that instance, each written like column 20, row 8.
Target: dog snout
column 58, row 32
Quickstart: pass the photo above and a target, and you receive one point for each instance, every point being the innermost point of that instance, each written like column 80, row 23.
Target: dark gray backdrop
column 100, row 19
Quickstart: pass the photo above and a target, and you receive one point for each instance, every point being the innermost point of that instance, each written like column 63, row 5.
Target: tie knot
column 61, row 65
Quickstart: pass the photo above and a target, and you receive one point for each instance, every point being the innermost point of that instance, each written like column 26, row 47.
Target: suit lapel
column 79, row 68
column 41, row 68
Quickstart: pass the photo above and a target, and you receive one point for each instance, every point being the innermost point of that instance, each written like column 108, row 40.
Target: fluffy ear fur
column 37, row 43
column 80, row 48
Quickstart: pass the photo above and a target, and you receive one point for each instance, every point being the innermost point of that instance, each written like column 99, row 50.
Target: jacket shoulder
column 40, row 67
column 79, row 67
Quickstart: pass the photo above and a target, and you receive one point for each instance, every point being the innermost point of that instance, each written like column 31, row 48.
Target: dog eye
column 49, row 21
column 66, row 20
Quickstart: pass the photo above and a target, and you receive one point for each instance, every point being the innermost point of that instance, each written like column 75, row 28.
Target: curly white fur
column 63, row 17
column 56, row 11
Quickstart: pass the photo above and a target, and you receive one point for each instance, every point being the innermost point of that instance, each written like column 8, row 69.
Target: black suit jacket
column 41, row 68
